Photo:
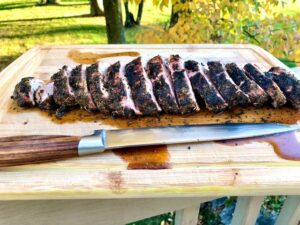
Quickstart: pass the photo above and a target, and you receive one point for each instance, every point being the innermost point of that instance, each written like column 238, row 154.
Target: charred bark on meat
column 270, row 87
column 25, row 90
column 256, row 94
column 95, row 83
column 162, row 86
column 182, row 86
column 79, row 85
column 288, row 84
column 120, row 100
column 141, row 88
column 225, row 85
column 204, row 88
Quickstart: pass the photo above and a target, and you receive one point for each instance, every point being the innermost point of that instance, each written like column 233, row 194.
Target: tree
column 96, row 8
column 114, row 24
column 129, row 18
column 42, row 2
column 225, row 21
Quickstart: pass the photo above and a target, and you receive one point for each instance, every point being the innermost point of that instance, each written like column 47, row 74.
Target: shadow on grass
column 62, row 4
column 61, row 30
column 16, row 5
column 6, row 60
column 21, row 5
column 45, row 19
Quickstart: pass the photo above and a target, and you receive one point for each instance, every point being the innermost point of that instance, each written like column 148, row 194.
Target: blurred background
column 271, row 24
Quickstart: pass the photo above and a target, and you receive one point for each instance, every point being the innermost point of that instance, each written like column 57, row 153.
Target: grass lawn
column 24, row 24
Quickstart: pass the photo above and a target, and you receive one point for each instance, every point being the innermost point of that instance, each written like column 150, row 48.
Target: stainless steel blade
column 194, row 133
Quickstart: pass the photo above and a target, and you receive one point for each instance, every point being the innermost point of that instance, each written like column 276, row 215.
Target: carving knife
column 33, row 149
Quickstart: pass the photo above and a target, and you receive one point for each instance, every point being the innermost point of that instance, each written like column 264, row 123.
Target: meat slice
column 25, row 90
column 162, row 85
column 288, row 83
column 120, row 100
column 269, row 86
column 182, row 86
column 203, row 87
column 95, row 82
column 79, row 85
column 225, row 85
column 141, row 88
column 44, row 97
column 62, row 92
column 256, row 94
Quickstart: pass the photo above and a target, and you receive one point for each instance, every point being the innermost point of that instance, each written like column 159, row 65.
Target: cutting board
column 207, row 169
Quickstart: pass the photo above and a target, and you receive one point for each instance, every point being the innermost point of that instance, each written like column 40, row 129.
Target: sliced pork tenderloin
column 162, row 85
column 288, row 83
column 95, row 74
column 204, row 88
column 78, row 83
column 25, row 90
column 270, row 87
column 120, row 99
column 226, row 86
column 182, row 86
column 62, row 92
column 141, row 88
column 44, row 97
column 256, row 94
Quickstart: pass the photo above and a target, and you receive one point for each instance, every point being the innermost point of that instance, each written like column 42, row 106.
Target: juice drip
column 286, row 145
column 91, row 57
column 150, row 157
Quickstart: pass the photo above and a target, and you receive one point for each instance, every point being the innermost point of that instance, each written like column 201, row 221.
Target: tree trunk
column 174, row 17
column 140, row 12
column 129, row 18
column 96, row 8
column 52, row 2
column 114, row 24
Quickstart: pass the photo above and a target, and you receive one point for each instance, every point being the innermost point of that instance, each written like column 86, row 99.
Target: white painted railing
column 123, row 211
column 246, row 212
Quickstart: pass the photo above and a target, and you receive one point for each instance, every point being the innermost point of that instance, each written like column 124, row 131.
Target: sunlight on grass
column 25, row 24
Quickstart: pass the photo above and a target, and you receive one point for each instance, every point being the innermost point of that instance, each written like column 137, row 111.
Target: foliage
column 273, row 203
column 260, row 22
column 209, row 215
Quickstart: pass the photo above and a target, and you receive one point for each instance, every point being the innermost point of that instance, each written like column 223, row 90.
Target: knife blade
column 39, row 148
column 102, row 140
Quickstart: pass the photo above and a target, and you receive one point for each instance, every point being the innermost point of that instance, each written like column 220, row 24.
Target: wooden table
column 100, row 189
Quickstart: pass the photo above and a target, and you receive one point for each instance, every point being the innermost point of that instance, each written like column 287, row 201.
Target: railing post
column 290, row 212
column 246, row 210
column 187, row 216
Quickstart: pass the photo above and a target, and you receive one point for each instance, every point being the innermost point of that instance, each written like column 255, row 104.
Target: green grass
column 25, row 24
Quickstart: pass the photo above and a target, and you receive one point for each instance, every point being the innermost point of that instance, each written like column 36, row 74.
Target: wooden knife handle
column 37, row 148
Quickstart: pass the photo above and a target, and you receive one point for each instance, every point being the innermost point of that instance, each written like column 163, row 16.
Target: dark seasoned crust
column 182, row 86
column 141, row 88
column 256, row 94
column 120, row 99
column 62, row 92
column 44, row 97
column 162, row 86
column 225, row 85
column 95, row 83
column 204, row 88
column 24, row 91
column 80, row 89
column 288, row 84
column 269, row 86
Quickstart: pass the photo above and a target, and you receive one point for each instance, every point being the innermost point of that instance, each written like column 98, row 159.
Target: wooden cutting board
column 181, row 170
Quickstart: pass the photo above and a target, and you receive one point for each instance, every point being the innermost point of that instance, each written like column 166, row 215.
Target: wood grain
column 34, row 149
column 207, row 169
